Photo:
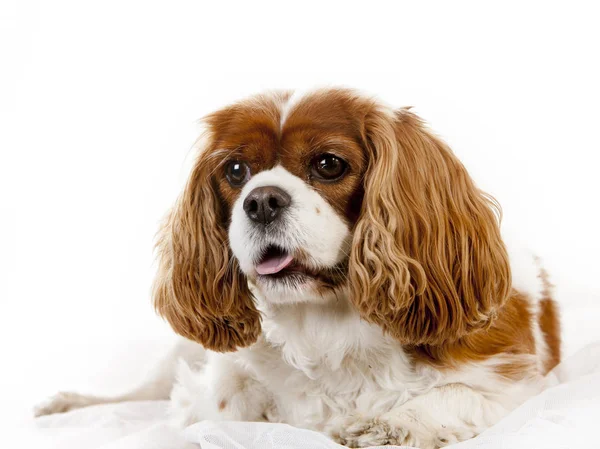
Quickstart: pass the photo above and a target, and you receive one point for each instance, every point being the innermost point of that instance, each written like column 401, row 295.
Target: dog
column 332, row 265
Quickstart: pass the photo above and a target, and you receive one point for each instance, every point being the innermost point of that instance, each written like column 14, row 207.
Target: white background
column 98, row 103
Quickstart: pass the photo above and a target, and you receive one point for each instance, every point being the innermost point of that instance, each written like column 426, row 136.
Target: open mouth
column 274, row 261
column 278, row 264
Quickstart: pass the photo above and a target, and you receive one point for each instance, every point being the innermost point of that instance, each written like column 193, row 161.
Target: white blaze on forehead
column 288, row 106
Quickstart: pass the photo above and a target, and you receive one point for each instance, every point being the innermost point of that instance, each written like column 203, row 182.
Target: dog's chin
column 295, row 288
column 287, row 289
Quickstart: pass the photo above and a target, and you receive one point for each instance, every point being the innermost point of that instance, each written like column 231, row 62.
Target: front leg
column 222, row 390
column 443, row 416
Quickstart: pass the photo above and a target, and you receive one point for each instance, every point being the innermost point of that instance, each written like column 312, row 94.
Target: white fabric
column 564, row 416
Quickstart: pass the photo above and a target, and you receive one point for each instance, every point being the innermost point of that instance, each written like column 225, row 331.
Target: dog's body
column 321, row 367
column 347, row 277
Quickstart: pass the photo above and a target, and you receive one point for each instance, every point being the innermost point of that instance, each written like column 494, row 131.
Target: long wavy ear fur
column 428, row 263
column 199, row 288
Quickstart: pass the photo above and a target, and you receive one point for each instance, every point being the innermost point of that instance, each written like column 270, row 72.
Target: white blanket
column 562, row 417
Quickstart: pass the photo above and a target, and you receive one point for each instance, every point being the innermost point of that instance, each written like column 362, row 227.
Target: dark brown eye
column 237, row 173
column 327, row 167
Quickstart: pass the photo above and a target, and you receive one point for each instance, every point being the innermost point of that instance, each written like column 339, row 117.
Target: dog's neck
column 323, row 334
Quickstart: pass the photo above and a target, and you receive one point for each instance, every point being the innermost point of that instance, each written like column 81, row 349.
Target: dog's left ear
column 427, row 263
column 199, row 287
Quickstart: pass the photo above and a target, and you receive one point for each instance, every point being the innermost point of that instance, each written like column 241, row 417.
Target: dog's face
column 287, row 237
column 329, row 193
column 292, row 188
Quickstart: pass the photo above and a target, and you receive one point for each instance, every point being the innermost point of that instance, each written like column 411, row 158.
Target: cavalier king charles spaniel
column 346, row 275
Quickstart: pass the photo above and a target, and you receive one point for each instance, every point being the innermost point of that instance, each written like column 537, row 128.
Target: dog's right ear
column 199, row 288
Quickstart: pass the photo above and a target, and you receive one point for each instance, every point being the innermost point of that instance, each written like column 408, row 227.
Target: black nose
column 265, row 204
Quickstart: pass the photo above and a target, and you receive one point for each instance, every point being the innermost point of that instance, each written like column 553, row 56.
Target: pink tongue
column 274, row 265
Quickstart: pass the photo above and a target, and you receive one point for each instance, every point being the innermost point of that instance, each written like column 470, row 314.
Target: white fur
column 289, row 106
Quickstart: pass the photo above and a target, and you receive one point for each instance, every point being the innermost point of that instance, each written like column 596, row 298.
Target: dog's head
column 311, row 196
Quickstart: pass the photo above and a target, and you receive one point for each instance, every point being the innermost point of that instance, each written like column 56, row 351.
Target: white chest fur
column 323, row 361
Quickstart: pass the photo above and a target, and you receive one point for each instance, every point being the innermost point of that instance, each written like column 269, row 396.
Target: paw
column 363, row 432
column 403, row 429
column 447, row 435
column 62, row 402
